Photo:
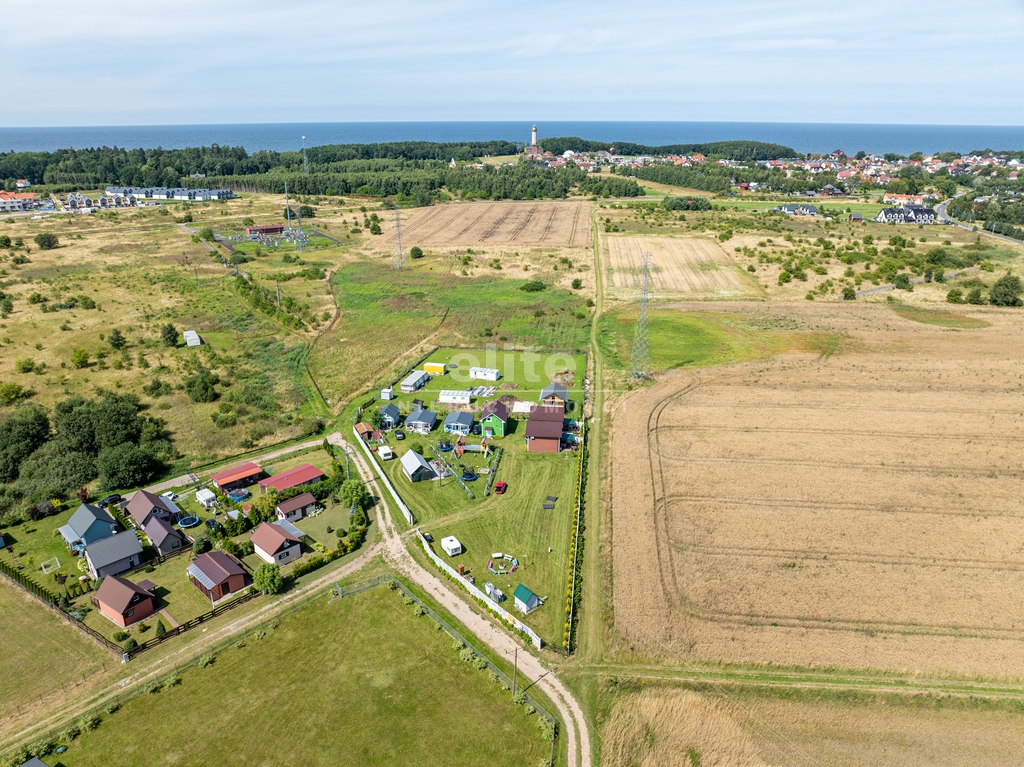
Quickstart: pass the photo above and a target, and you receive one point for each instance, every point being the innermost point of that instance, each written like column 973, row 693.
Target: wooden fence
column 187, row 625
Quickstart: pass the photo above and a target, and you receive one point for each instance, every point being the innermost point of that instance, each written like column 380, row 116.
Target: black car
column 213, row 524
column 110, row 499
column 476, row 429
column 399, row 434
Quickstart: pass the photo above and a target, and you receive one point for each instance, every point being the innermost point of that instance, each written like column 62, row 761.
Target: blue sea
column 282, row 137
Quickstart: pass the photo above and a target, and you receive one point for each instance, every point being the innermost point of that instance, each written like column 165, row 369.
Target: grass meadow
column 40, row 651
column 284, row 698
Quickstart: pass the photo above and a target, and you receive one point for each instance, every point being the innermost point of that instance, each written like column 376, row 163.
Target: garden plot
column 694, row 267
column 545, row 223
column 864, row 511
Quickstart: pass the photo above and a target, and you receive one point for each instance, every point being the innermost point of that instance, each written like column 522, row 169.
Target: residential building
column 144, row 504
column 237, row 476
column 123, row 602
column 216, row 575
column 164, row 538
column 274, row 544
column 294, row 509
column 390, row 416
column 421, row 421
column 494, row 417
column 554, row 394
column 458, row 423
column 114, row 555
column 414, row 381
column 88, row 525
column 416, row 467
column 305, row 474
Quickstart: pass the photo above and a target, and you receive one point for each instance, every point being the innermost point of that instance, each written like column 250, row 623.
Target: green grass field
column 831, row 205
column 381, row 687
column 40, row 651
column 940, row 317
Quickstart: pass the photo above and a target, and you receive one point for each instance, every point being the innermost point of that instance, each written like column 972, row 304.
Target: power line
column 640, row 355
column 305, row 162
column 398, row 263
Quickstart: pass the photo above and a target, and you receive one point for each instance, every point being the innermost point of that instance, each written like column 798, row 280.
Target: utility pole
column 278, row 286
column 305, row 162
column 515, row 670
column 640, row 354
column 195, row 269
column 287, row 206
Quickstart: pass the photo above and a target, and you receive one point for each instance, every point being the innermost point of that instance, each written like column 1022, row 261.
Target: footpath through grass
column 362, row 681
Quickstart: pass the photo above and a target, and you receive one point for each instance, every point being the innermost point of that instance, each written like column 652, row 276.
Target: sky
column 228, row 61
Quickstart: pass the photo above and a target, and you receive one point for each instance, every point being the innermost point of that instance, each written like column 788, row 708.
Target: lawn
column 516, row 523
column 40, row 651
column 387, row 689
column 940, row 317
column 832, row 205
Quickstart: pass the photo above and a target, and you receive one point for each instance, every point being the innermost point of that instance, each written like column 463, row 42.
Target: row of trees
column 724, row 150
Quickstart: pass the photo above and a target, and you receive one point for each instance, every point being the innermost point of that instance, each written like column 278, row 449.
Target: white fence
column 473, row 590
column 383, row 478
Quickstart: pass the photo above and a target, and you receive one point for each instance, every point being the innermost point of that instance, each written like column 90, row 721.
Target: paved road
column 574, row 724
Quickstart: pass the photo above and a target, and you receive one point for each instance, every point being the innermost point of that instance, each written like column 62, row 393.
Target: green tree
column 353, row 491
column 200, row 386
column 5, row 241
column 200, row 545
column 1006, row 291
column 375, row 228
column 11, row 392
column 577, row 284
column 267, row 578
column 416, row 252
column 307, row 211
column 849, row 294
column 955, row 296
column 80, row 358
column 116, row 339
column 902, row 281
column 169, row 335
column 125, row 465
column 247, row 221
column 46, row 240
column 974, row 297
column 206, row 233
column 161, row 629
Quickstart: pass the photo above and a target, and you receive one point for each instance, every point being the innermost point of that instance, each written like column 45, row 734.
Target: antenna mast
column 640, row 355
column 305, row 162
column 287, row 206
column 398, row 263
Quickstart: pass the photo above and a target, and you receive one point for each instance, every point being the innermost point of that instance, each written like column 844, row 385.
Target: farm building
column 294, row 509
column 113, row 555
column 554, row 394
column 387, row 393
column 458, row 423
column 88, row 525
column 421, row 422
column 165, row 539
column 451, row 546
column 434, row 368
column 390, row 416
column 414, row 381
column 192, row 338
column 206, row 498
column 543, row 436
column 274, row 544
column 416, row 467
column 305, row 474
column 484, row 374
column 144, row 505
column 495, row 418
column 216, row 575
column 123, row 602
column 454, row 397
column 525, row 600
column 237, row 476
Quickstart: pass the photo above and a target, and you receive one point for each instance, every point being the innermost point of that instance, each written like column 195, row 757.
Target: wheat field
column 865, row 510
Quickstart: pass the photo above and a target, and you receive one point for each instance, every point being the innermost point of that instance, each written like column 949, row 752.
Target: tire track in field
column 474, row 222
column 877, row 467
column 846, row 432
column 547, row 226
column 519, row 227
column 798, row 503
column 494, row 225
column 419, row 222
column 575, row 221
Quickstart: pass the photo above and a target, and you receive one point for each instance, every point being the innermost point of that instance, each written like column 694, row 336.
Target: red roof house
column 305, row 474
column 122, row 601
column 237, row 476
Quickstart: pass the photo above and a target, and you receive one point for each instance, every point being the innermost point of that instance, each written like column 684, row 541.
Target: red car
column 500, row 488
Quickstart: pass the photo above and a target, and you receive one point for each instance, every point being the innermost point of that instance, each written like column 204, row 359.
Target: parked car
column 169, row 495
column 476, row 429
column 115, row 499
column 399, row 434
column 500, row 488
column 213, row 524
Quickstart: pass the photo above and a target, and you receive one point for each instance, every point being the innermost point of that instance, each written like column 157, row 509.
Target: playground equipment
column 460, row 446
column 502, row 559
column 494, row 593
column 468, row 474
column 187, row 522
column 50, row 565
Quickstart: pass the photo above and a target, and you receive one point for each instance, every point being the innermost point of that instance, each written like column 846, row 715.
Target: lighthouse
column 533, row 136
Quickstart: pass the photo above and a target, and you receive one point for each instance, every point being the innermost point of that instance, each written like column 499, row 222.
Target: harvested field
column 695, row 267
column 666, row 726
column 545, row 223
column 864, row 510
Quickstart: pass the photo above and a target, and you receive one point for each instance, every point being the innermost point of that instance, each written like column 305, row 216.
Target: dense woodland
column 717, row 150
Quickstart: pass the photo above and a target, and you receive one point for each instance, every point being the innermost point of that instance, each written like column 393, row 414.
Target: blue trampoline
column 187, row 522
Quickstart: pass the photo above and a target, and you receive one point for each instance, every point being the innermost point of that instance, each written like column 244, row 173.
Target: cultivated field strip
column 790, row 515
column 695, row 267
column 552, row 223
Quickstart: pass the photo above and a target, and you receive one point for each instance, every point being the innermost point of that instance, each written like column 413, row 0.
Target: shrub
column 11, row 392
column 169, row 335
column 80, row 358
column 206, row 233
column 849, row 294
column 902, row 282
column 112, row 707
column 26, row 365
column 533, row 286
column 207, row 660
column 153, row 687
column 68, row 734
column 200, row 545
column 161, row 629
column 577, row 284
column 46, row 240
column 116, row 339
column 974, row 297
column 120, row 636
column 1006, row 291
column 416, row 252
column 130, row 644
column 955, row 296
column 90, row 722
